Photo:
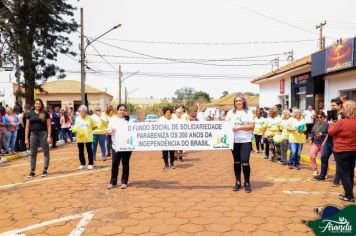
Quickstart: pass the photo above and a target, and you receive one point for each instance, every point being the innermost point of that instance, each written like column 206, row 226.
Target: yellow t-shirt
column 84, row 129
column 272, row 126
column 259, row 122
column 101, row 122
column 284, row 126
column 296, row 136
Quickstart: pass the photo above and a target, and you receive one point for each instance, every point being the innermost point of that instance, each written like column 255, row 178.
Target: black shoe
column 319, row 178
column 44, row 173
column 181, row 159
column 31, row 175
column 297, row 167
column 108, row 154
column 247, row 188
column 237, row 187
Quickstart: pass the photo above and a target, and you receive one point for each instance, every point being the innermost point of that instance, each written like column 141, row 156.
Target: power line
column 106, row 61
column 271, row 18
column 176, row 60
column 210, row 43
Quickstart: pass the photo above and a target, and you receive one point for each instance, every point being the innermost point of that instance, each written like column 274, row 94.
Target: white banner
column 157, row 136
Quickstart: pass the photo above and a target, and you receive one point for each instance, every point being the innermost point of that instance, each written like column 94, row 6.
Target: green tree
column 184, row 95
column 201, row 96
column 225, row 93
column 37, row 31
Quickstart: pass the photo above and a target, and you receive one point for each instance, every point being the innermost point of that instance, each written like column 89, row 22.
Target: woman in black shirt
column 38, row 125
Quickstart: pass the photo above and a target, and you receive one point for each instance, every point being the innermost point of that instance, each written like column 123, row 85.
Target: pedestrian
column 83, row 127
column 343, row 133
column 259, row 122
column 270, row 129
column 296, row 129
column 115, row 125
column 99, row 133
column 285, row 135
column 3, row 132
column 110, row 113
column 309, row 116
column 334, row 115
column 66, row 122
column 167, row 117
column 38, row 134
column 179, row 118
column 242, row 119
column 11, row 121
column 319, row 133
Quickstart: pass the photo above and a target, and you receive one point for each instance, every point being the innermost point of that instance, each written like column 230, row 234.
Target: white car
column 151, row 118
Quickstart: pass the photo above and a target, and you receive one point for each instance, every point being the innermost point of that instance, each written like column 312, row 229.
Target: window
column 350, row 94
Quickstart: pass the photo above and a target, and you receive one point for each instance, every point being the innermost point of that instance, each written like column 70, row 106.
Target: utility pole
column 321, row 37
column 82, row 58
column 125, row 95
column 120, row 83
column 275, row 62
column 290, row 55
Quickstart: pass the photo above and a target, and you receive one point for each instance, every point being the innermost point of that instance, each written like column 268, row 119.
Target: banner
column 340, row 56
column 157, row 136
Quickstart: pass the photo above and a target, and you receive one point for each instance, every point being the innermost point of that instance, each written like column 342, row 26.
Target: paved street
column 194, row 199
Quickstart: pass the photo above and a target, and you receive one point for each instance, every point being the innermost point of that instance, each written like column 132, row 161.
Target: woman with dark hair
column 319, row 133
column 66, row 122
column 343, row 133
column 167, row 117
column 115, row 125
column 38, row 128
column 11, row 122
column 110, row 113
column 242, row 119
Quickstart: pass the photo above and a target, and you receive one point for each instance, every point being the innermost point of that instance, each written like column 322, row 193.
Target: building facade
column 66, row 94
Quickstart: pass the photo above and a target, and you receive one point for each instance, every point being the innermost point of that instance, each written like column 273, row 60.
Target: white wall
column 6, row 88
column 336, row 83
column 269, row 92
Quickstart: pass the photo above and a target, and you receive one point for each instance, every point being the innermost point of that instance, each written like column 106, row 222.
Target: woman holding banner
column 242, row 118
column 115, row 125
column 167, row 117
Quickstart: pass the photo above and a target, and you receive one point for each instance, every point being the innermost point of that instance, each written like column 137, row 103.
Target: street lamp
column 122, row 80
column 82, row 52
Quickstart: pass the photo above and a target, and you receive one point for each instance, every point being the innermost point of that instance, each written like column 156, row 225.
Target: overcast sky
column 200, row 29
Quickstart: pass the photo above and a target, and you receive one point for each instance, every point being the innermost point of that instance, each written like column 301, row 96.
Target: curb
column 26, row 153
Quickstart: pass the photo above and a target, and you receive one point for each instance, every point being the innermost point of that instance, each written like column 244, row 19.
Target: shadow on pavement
column 156, row 184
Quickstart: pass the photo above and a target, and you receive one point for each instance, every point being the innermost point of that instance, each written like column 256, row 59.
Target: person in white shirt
column 243, row 125
column 309, row 116
column 110, row 114
column 179, row 118
column 167, row 116
column 115, row 125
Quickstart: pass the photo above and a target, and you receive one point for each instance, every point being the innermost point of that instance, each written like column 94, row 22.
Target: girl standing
column 38, row 128
column 296, row 129
column 114, row 130
column 259, row 121
column 242, row 118
column 110, row 113
column 167, row 116
column 66, row 122
column 285, row 136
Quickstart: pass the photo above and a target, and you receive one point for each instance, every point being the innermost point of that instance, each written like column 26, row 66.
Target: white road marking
column 28, row 164
column 87, row 215
column 79, row 229
column 295, row 192
column 54, row 177
column 291, row 179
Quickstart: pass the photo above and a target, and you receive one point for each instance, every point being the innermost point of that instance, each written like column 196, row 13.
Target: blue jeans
column 10, row 142
column 328, row 149
column 295, row 151
column 99, row 138
column 64, row 132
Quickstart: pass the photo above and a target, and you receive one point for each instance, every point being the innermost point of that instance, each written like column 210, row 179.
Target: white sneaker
column 315, row 173
column 3, row 160
column 81, row 167
column 326, row 176
column 90, row 167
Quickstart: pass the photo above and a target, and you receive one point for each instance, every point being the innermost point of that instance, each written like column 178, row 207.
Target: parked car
column 133, row 118
column 151, row 118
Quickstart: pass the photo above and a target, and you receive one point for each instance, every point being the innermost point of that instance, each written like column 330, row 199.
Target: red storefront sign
column 281, row 86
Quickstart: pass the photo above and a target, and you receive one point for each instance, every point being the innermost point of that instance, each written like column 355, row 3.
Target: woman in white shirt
column 114, row 129
column 242, row 118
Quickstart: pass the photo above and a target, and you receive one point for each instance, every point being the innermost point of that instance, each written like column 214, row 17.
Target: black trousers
column 108, row 143
column 241, row 154
column 20, row 140
column 116, row 158
column 89, row 151
column 54, row 135
column 258, row 139
column 346, row 163
column 165, row 157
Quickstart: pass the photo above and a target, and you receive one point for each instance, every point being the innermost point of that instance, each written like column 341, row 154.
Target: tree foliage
column 224, row 94
column 36, row 30
column 188, row 97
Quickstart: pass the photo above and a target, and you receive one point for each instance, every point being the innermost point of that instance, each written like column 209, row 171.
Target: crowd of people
column 274, row 131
